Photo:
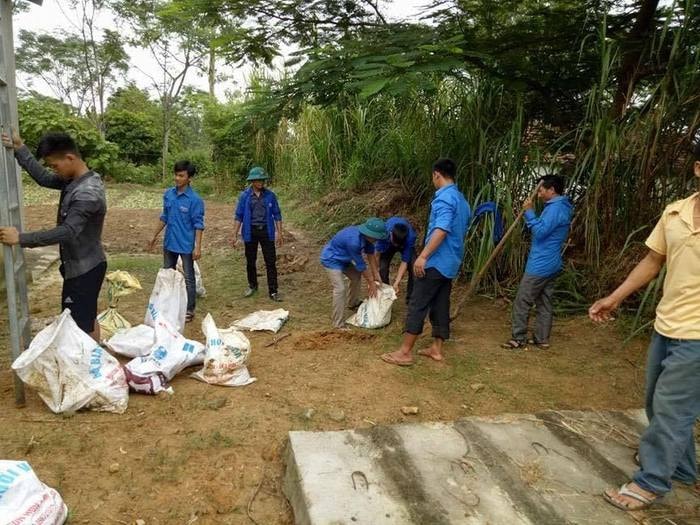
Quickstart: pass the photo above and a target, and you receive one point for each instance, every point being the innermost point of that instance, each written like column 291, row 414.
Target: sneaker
column 250, row 292
column 276, row 297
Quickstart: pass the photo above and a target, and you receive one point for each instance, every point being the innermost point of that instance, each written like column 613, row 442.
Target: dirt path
column 199, row 455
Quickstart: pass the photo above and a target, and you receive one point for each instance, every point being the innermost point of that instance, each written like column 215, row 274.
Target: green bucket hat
column 374, row 228
column 257, row 173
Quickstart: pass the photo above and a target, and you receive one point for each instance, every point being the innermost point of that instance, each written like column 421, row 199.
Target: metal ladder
column 11, row 201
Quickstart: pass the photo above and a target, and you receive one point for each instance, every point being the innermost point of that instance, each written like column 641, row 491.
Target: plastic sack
column 132, row 342
column 70, row 371
column 168, row 300
column 226, row 356
column 375, row 312
column 269, row 320
column 121, row 283
column 170, row 354
column 111, row 321
column 24, row 500
column 199, row 285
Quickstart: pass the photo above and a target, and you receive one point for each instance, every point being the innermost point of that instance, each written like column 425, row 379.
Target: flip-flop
column 625, row 491
column 426, row 353
column 513, row 344
column 541, row 346
column 392, row 361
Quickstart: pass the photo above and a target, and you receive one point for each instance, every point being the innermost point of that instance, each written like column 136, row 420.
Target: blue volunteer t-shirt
column 183, row 213
column 383, row 245
column 450, row 212
column 346, row 248
column 549, row 233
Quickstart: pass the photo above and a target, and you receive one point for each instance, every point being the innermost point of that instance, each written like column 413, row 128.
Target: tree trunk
column 212, row 72
column 632, row 54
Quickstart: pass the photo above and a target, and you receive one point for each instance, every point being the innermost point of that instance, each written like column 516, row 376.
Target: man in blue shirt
column 343, row 257
column 436, row 267
column 183, row 220
column 401, row 239
column 259, row 221
column 549, row 233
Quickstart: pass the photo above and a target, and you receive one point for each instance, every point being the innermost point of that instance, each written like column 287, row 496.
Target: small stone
column 464, row 407
column 308, row 413
column 140, row 522
column 477, row 387
column 409, row 411
column 267, row 394
column 337, row 415
column 114, row 468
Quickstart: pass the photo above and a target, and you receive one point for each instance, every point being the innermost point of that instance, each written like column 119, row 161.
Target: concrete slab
column 511, row 470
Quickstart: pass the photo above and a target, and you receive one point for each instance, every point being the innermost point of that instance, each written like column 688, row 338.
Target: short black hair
column 446, row 168
column 56, row 143
column 185, row 165
column 552, row 181
column 399, row 234
column 696, row 151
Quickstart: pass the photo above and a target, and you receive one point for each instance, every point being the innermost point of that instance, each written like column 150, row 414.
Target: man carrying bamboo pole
column 549, row 233
column 667, row 446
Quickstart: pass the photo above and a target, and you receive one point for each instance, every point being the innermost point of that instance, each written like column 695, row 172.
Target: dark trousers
column 385, row 262
column 170, row 261
column 431, row 296
column 259, row 236
column 538, row 291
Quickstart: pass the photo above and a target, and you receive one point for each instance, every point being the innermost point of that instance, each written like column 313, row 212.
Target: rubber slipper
column 513, row 344
column 426, row 353
column 645, row 502
column 387, row 358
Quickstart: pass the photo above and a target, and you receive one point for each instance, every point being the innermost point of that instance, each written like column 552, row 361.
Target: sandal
column 513, row 344
column 388, row 358
column 189, row 317
column 541, row 346
column 645, row 502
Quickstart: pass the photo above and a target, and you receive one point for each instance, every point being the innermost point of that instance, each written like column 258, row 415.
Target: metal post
column 10, row 199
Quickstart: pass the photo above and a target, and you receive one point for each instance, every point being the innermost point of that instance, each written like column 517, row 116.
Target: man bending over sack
column 343, row 257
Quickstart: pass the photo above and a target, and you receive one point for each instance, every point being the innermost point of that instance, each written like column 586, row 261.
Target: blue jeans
column 667, row 446
column 170, row 261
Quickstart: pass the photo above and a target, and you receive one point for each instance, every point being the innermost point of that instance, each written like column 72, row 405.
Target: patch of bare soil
column 329, row 339
column 200, row 455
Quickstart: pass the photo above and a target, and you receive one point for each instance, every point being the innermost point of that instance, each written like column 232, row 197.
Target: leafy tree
column 39, row 114
column 76, row 67
column 132, row 121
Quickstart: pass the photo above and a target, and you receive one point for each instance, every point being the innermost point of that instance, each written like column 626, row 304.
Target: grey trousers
column 537, row 291
column 341, row 298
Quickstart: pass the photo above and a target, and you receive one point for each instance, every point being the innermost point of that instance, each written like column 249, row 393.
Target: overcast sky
column 53, row 16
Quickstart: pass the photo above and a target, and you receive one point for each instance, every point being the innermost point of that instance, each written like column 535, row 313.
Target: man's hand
column 528, row 204
column 14, row 142
column 151, row 245
column 197, row 253
column 372, row 289
column 419, row 267
column 603, row 308
column 9, row 236
column 395, row 286
column 234, row 242
column 280, row 240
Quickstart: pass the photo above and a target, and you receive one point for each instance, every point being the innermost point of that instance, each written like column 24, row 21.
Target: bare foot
column 397, row 358
column 433, row 354
column 625, row 502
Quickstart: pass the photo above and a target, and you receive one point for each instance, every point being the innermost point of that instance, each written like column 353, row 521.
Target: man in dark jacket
column 549, row 233
column 78, row 232
column 258, row 219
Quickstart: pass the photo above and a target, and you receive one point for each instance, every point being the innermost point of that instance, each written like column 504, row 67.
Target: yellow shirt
column 678, row 312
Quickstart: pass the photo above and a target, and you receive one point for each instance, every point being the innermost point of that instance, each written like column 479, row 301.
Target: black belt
column 259, row 226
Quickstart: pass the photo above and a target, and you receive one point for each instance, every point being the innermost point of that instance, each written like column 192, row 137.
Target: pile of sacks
column 70, row 371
